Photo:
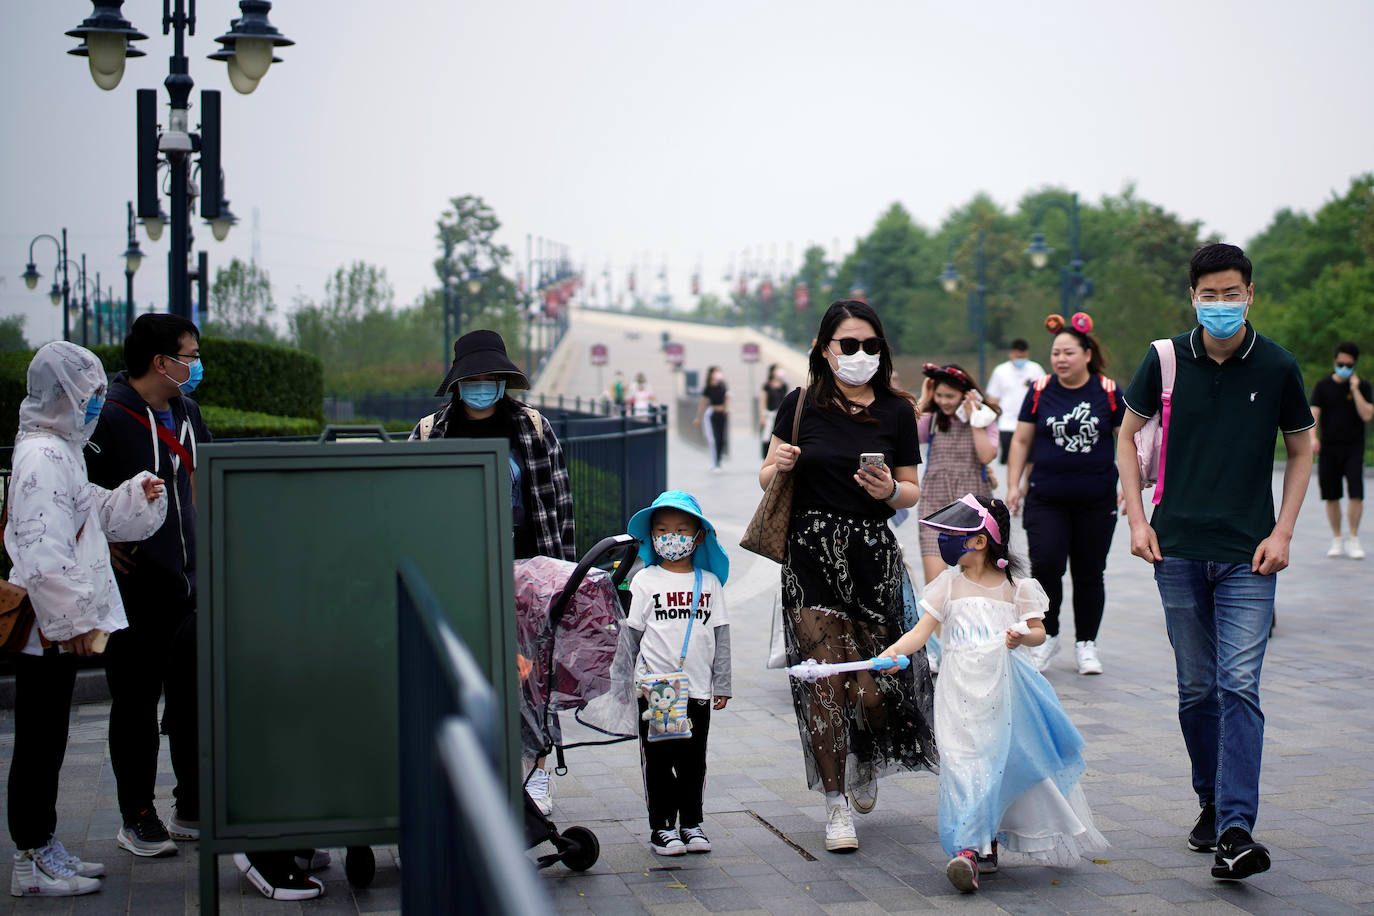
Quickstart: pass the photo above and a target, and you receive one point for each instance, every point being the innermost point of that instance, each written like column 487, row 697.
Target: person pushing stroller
column 675, row 641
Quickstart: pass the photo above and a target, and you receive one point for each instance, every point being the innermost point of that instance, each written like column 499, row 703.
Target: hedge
column 270, row 385
column 250, row 377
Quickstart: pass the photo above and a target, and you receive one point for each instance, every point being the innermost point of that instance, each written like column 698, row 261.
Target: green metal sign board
column 298, row 546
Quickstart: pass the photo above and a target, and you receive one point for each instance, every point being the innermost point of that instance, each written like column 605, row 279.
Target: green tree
column 241, row 304
column 473, row 265
column 12, row 334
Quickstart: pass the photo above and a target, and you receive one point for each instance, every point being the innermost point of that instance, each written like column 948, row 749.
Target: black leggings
column 1077, row 534
column 675, row 770
column 719, row 434
column 42, row 711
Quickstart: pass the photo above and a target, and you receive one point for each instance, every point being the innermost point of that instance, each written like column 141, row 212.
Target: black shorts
column 1337, row 463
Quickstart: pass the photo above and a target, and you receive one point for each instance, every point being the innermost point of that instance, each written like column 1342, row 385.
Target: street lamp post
column 977, row 297
column 55, row 295
column 1074, row 287
column 133, row 257
column 247, row 49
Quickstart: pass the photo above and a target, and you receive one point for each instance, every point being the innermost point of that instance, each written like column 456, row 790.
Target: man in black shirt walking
column 1342, row 403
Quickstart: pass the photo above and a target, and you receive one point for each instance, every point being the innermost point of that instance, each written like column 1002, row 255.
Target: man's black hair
column 154, row 335
column 1349, row 348
column 1213, row 259
column 1020, row 344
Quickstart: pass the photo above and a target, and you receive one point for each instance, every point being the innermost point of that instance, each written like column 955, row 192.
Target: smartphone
column 871, row 459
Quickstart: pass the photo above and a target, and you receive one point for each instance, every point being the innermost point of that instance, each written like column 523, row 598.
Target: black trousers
column 675, row 770
column 154, row 656
column 720, row 434
column 42, row 711
column 1077, row 534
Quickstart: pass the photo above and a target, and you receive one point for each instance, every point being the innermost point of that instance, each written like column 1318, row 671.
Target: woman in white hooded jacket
column 57, row 533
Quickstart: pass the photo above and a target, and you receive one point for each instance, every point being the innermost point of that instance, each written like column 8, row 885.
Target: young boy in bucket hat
column 677, row 620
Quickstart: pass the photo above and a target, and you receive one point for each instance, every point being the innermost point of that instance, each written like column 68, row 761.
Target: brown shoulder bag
column 767, row 531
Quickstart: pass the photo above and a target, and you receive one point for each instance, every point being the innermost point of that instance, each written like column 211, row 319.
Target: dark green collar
column 1247, row 346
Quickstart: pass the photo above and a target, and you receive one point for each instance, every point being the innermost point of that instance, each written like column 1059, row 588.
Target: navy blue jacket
column 164, row 564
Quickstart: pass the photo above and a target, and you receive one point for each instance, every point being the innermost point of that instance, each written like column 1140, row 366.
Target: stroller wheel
column 583, row 848
column 360, row 865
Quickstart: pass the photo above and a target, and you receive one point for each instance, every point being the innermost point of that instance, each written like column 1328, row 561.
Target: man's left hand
column 719, row 702
column 1271, row 555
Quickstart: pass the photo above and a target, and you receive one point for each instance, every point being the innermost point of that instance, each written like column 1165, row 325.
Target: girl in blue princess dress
column 1010, row 759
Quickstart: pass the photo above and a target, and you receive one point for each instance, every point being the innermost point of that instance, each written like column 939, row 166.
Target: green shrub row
column 227, row 423
column 252, row 377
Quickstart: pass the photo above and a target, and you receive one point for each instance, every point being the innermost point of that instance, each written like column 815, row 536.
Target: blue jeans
column 1218, row 617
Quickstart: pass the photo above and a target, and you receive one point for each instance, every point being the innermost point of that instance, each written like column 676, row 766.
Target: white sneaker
column 1042, row 653
column 1085, row 653
column 839, row 830
column 74, row 862
column 1353, row 550
column 540, row 789
column 1337, row 548
column 39, row 873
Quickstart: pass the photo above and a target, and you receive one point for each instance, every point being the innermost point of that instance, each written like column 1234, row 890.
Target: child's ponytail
column 1000, row 554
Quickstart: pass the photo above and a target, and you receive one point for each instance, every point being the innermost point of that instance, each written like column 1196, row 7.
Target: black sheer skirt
column 842, row 596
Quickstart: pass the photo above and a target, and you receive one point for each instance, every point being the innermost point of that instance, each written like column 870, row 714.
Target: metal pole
column 97, row 308
column 179, row 85
column 66, row 293
column 85, row 305
column 129, row 276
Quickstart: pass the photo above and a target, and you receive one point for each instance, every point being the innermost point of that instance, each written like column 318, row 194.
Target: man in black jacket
column 149, row 423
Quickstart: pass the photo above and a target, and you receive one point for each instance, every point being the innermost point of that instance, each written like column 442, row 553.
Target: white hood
column 62, row 379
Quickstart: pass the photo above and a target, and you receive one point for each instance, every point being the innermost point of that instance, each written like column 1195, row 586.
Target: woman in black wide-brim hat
column 480, row 407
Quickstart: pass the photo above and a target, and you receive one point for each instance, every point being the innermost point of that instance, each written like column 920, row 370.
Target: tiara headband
column 931, row 370
column 1081, row 322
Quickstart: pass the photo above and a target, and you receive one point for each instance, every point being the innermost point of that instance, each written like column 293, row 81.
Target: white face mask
column 858, row 368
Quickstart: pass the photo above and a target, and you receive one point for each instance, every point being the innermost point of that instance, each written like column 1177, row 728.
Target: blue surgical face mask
column 479, row 395
column 197, row 372
column 93, row 409
column 1220, row 319
column 1020, row 362
column 952, row 547
column 1344, row 372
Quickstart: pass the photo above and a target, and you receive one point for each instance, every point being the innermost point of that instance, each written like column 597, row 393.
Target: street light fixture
column 977, row 298
column 56, row 295
column 1074, row 287
column 106, row 35
column 133, row 257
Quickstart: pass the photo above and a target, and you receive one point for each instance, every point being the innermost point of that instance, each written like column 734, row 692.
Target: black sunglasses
column 851, row 345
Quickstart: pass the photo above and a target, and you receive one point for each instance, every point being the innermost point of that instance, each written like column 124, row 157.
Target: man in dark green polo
column 1214, row 540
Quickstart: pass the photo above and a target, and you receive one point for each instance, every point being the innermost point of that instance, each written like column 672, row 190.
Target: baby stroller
column 568, row 622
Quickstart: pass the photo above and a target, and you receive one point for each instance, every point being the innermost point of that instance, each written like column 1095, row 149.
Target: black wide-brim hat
column 480, row 353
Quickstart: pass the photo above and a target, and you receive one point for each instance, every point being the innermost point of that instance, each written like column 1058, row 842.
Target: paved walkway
column 1317, row 812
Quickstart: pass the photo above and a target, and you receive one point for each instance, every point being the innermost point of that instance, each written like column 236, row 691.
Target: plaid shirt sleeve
column 552, row 512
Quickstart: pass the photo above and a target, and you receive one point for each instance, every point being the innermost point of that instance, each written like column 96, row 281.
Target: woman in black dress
column 842, row 573
column 715, row 409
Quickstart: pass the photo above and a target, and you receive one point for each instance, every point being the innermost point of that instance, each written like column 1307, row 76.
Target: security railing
column 460, row 845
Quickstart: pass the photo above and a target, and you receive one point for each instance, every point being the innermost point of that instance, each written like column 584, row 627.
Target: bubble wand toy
column 812, row 670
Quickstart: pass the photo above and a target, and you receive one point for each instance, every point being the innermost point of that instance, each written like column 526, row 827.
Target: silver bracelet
column 896, row 491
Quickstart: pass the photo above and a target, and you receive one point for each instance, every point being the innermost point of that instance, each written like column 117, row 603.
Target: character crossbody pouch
column 668, row 692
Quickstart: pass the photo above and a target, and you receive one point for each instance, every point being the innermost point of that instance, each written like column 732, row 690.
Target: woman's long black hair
column 824, row 391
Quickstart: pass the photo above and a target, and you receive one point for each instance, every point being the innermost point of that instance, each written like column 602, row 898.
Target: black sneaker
column 987, row 864
column 1239, row 856
column 275, row 875
column 145, row 835
column 1203, row 837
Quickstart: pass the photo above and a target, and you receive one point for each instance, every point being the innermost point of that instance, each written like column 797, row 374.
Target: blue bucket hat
column 708, row 556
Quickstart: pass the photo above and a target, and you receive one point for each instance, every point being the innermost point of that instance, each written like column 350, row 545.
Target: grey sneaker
column 73, row 861
column 39, row 873
column 145, row 835
column 179, row 829
column 540, row 789
column 862, row 786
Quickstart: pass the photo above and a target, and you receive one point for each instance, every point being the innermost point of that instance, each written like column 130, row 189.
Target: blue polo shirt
column 1218, row 499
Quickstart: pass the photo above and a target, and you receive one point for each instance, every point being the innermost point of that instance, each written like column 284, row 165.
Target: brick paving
column 1317, row 790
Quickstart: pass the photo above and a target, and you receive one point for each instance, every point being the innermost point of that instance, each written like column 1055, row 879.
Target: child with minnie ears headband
column 1010, row 759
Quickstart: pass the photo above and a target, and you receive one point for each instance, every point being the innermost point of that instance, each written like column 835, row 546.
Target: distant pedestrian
column 770, row 398
column 842, row 573
column 57, row 528
column 714, row 409
column 1010, row 759
column 618, row 390
column 1007, row 387
column 677, row 621
column 1065, row 437
column 642, row 397
column 1214, row 540
column 1342, row 403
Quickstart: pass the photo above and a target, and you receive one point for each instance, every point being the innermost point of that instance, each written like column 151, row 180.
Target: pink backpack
column 1152, row 439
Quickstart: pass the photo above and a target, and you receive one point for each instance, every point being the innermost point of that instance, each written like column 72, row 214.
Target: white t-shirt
column 1008, row 385
column 658, row 606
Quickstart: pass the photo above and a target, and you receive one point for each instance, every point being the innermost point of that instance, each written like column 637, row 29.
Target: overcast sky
column 632, row 131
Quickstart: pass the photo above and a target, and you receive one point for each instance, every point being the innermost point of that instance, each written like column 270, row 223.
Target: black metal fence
column 462, row 848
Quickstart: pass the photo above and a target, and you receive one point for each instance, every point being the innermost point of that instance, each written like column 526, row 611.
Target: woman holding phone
column 842, row 573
